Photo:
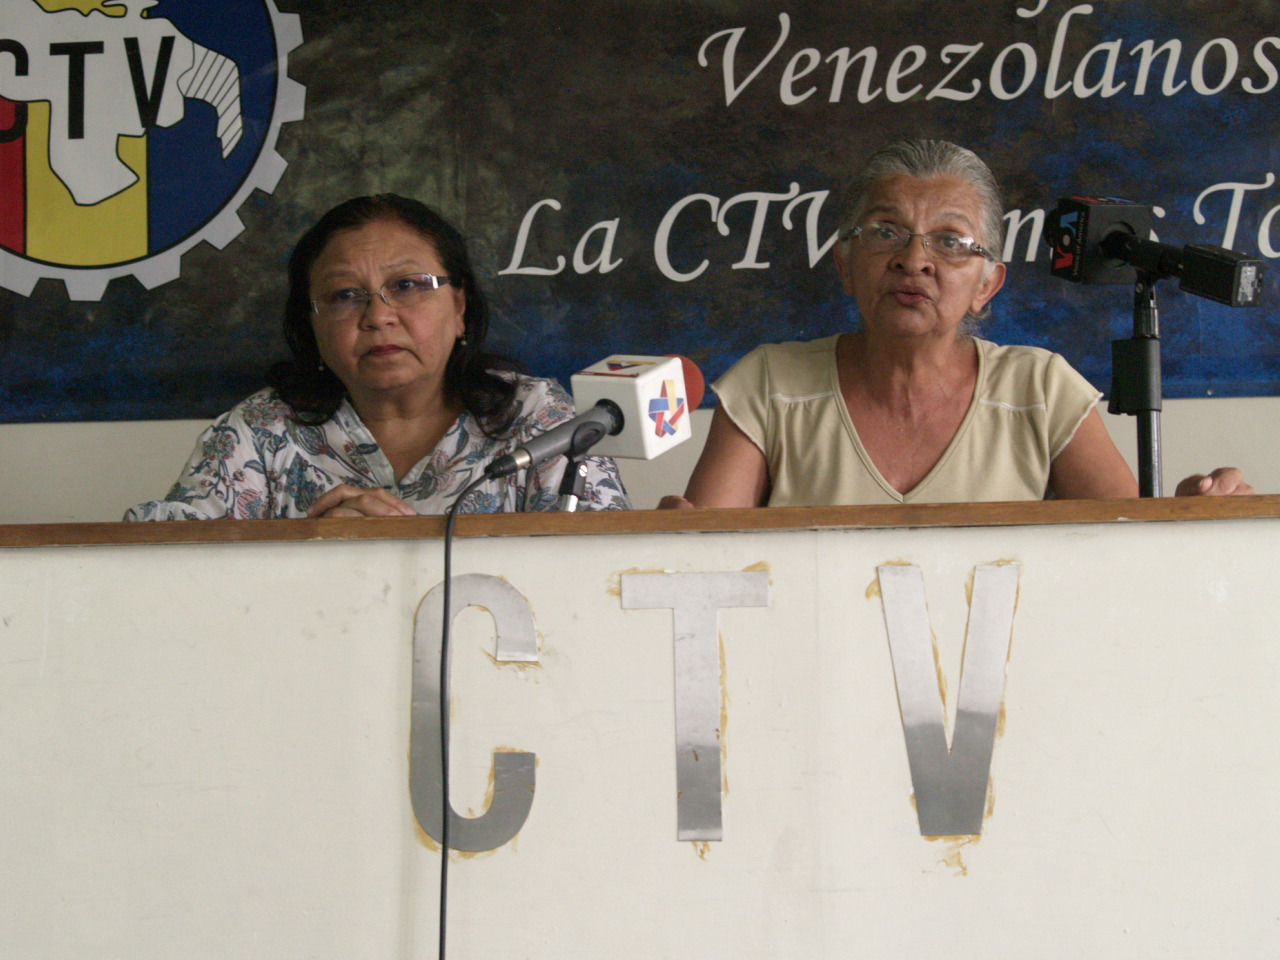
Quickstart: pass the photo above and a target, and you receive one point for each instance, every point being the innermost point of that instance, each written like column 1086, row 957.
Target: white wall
column 65, row 472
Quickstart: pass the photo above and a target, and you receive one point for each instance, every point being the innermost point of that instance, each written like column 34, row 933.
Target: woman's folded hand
column 345, row 500
column 1223, row 482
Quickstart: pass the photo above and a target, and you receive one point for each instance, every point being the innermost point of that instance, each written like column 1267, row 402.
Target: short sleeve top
column 258, row 461
column 1027, row 405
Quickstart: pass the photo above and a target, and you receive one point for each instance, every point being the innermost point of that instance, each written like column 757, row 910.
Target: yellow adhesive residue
column 424, row 838
column 518, row 664
column 456, row 855
column 701, row 848
column 968, row 587
column 1017, row 600
column 953, row 856
column 760, row 566
column 430, row 843
column 614, row 589
column 489, row 787
column 942, row 677
column 873, row 588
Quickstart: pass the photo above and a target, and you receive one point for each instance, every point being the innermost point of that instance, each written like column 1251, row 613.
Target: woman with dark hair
column 390, row 404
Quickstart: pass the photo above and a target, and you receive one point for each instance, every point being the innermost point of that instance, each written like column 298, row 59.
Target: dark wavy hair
column 312, row 389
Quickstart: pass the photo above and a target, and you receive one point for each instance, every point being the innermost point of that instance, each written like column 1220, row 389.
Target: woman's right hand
column 1223, row 482
column 673, row 501
column 345, row 500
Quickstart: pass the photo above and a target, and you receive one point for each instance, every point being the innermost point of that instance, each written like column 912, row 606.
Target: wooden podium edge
column 626, row 523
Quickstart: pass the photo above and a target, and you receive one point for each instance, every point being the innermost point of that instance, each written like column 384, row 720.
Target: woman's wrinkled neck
column 906, row 369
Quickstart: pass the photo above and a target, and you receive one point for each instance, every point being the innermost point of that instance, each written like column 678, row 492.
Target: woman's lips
column 385, row 350
column 909, row 298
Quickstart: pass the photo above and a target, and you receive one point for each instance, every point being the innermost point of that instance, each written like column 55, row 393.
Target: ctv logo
column 133, row 130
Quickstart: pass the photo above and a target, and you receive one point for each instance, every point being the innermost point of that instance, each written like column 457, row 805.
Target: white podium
column 205, row 736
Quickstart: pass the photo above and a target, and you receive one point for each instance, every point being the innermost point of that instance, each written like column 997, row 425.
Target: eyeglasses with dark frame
column 950, row 245
column 348, row 302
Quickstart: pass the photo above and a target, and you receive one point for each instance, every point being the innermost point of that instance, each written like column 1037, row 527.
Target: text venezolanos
column 1154, row 67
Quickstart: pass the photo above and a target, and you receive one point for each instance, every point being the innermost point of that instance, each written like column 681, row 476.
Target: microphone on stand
column 656, row 395
column 571, row 438
column 1105, row 240
column 636, row 407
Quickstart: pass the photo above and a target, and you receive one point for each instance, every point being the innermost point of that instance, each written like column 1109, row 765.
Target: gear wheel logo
column 131, row 130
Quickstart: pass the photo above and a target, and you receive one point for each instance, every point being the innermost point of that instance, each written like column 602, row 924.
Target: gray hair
column 925, row 159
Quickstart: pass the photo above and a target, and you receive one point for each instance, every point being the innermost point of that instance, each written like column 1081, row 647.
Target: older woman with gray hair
column 911, row 407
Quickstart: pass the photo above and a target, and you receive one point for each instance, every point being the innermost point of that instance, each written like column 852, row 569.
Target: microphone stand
column 1135, row 381
column 574, row 482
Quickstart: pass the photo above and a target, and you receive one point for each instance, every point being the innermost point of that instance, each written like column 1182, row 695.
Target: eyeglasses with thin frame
column 950, row 245
column 346, row 303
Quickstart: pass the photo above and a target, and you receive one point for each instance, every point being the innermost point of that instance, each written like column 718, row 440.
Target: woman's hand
column 673, row 501
column 345, row 500
column 1223, row 482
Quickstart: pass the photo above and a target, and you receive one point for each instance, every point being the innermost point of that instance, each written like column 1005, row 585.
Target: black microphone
column 1203, row 270
column 568, row 439
column 1104, row 240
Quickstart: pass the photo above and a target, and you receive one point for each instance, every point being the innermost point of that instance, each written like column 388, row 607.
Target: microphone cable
column 450, row 516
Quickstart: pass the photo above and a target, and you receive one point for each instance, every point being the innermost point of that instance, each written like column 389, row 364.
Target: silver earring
column 320, row 366
column 462, row 340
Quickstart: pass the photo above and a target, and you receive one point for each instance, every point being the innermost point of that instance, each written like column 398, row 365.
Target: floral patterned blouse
column 257, row 461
